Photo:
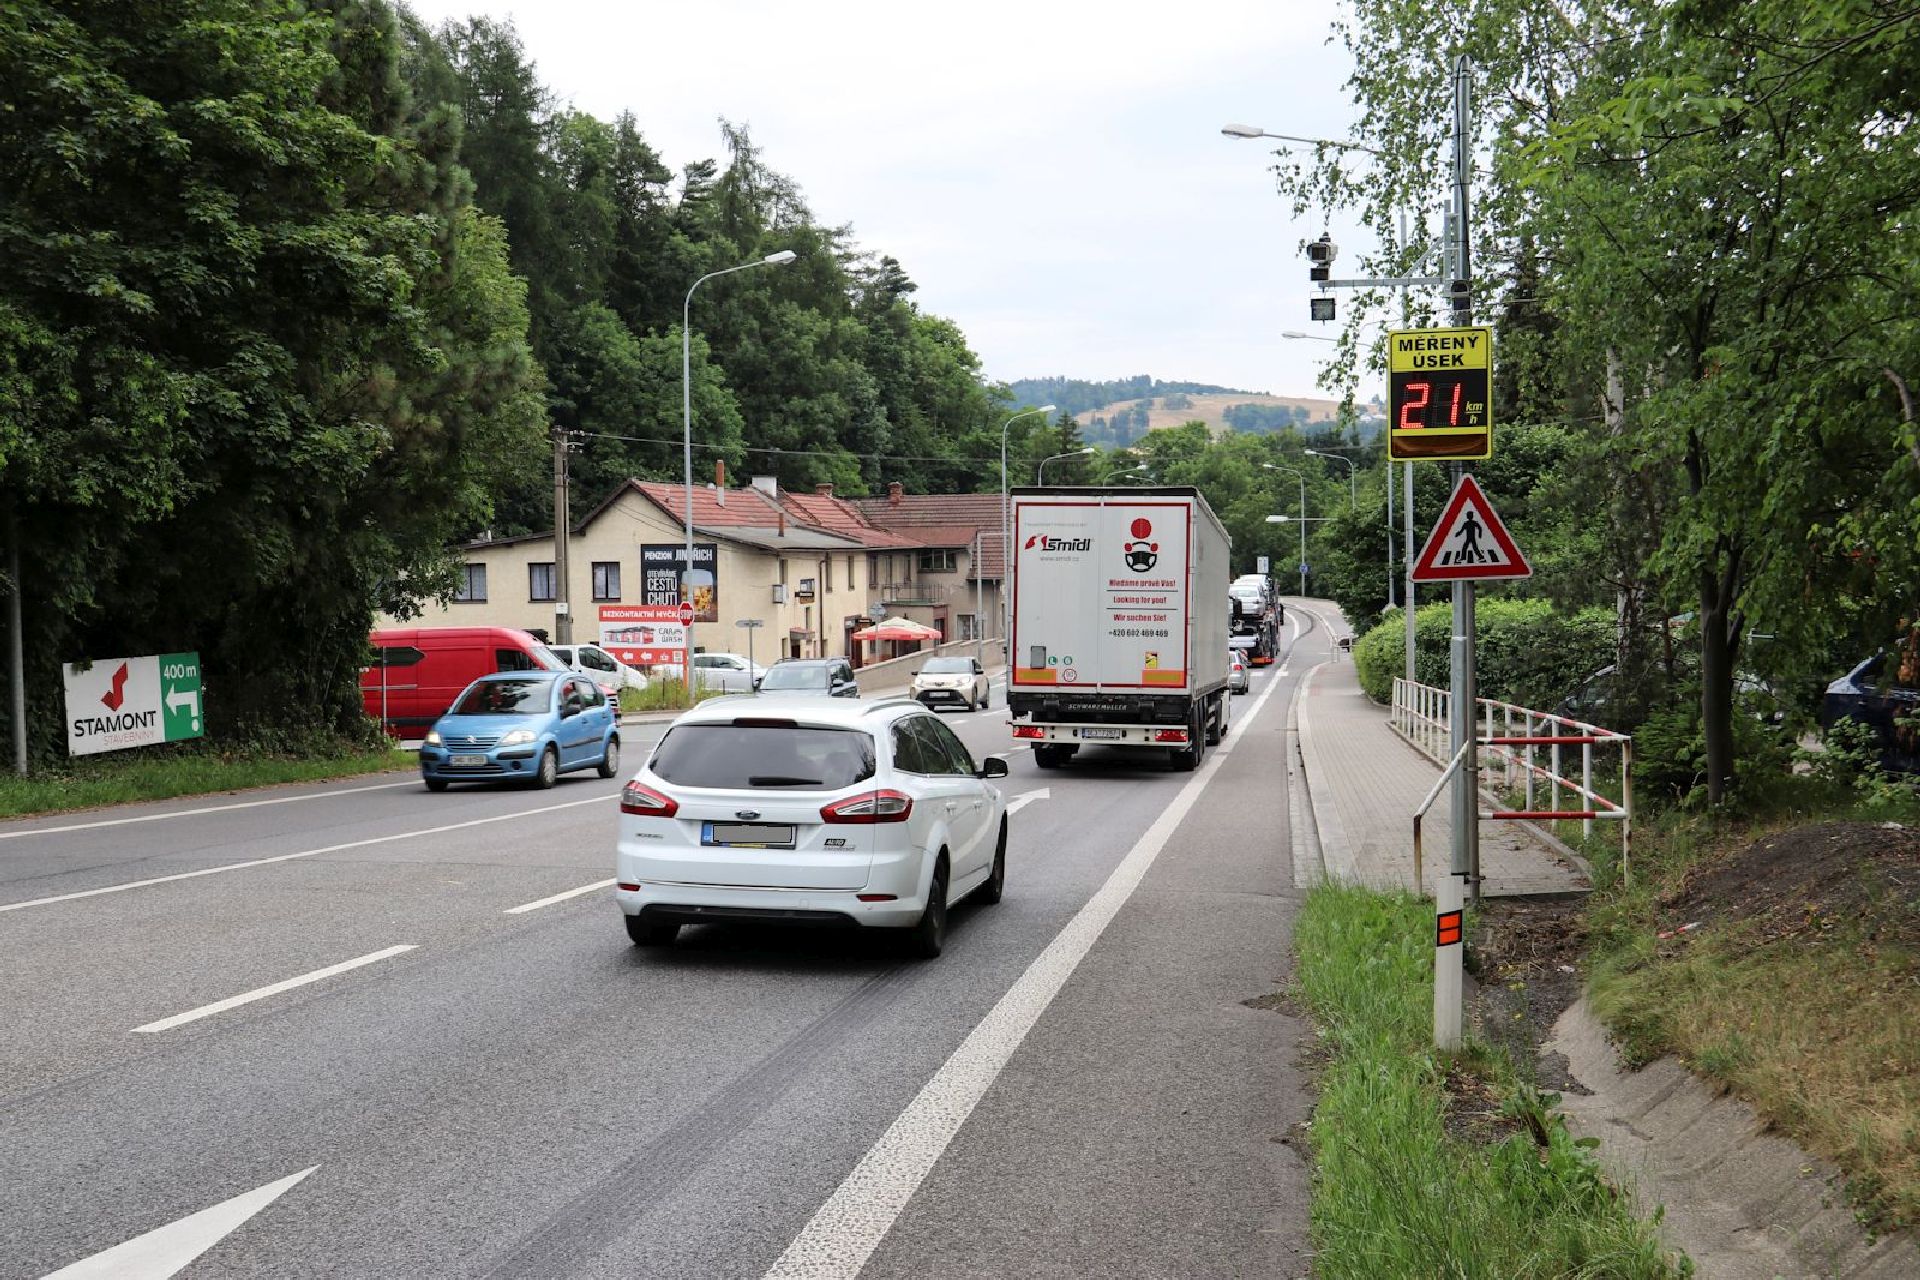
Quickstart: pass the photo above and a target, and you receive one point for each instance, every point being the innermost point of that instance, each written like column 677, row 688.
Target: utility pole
column 1464, row 877
column 562, row 604
column 979, row 608
column 16, row 646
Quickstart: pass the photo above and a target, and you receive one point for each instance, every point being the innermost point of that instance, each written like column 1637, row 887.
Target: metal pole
column 562, row 597
column 1389, row 533
column 686, row 460
column 1408, row 596
column 1303, row 534
column 16, row 646
column 979, row 609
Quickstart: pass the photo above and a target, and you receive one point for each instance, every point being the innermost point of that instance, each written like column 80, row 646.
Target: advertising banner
column 118, row 703
column 660, row 566
column 643, row 635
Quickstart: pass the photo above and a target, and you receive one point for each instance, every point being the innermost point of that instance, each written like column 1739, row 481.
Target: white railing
column 1510, row 742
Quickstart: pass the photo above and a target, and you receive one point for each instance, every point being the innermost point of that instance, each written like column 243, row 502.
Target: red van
column 417, row 672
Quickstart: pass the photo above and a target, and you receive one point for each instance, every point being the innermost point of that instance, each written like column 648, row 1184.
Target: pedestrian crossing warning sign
column 1470, row 542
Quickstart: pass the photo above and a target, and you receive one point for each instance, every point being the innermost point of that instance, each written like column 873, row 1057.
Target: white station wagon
column 810, row 811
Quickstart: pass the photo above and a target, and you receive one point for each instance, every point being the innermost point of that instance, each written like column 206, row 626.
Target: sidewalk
column 1365, row 782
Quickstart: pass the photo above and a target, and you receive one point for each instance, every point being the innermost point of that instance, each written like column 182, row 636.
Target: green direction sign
column 181, row 712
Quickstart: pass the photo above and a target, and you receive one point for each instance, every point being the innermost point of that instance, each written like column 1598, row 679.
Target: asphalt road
column 451, row 1063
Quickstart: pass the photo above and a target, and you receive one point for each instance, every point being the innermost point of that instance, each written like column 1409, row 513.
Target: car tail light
column 645, row 802
column 1169, row 735
column 869, row 808
column 1028, row 731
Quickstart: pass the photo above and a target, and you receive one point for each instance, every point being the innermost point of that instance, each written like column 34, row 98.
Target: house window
column 969, row 627
column 540, row 581
column 873, row 569
column 606, row 579
column 473, row 583
column 851, row 583
column 826, row 573
column 783, row 573
column 937, row 561
column 805, row 590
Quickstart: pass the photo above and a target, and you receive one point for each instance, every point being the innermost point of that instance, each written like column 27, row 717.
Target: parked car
column 800, row 810
column 952, row 681
column 417, row 672
column 526, row 726
column 1239, row 679
column 601, row 667
column 825, row 677
column 728, row 671
column 1880, row 693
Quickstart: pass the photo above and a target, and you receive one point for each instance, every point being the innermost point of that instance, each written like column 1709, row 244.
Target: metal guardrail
column 1422, row 714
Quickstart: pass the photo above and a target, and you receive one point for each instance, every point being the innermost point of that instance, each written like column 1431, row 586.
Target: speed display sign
column 1440, row 394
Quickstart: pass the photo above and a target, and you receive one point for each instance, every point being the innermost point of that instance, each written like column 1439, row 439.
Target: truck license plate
column 467, row 762
column 1103, row 733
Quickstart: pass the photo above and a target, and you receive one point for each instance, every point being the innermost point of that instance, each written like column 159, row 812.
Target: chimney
column 824, row 490
column 783, row 522
column 895, row 491
column 769, row 485
column 720, row 481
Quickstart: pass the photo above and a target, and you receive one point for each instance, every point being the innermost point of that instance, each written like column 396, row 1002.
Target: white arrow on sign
column 1026, row 798
column 164, row 1251
column 178, row 698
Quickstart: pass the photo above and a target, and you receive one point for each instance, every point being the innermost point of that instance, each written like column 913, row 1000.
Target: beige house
column 812, row 568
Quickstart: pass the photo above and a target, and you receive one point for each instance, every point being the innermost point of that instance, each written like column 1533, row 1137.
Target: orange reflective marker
column 1446, row 928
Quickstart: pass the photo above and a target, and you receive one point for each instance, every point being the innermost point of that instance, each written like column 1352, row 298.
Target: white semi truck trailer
column 1120, row 622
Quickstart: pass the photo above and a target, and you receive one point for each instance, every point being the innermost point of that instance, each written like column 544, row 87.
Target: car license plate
column 467, row 762
column 746, row 835
column 1103, row 733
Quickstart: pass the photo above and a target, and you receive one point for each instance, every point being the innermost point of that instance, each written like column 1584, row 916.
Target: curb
column 1336, row 851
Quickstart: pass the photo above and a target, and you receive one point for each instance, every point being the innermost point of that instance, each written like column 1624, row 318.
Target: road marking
column 558, row 897
column 163, row 1251
column 205, row 809
column 1026, row 798
column 836, row 1243
column 261, row 993
column 289, row 857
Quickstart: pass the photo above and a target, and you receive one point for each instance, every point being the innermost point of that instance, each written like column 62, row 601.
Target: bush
column 1526, row 652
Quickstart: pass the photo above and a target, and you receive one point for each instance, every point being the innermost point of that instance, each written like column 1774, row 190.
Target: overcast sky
column 1051, row 174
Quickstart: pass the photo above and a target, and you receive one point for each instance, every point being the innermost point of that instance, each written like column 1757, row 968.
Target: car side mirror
column 992, row 767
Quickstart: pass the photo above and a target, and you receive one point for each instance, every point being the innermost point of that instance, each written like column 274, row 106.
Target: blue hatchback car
column 526, row 726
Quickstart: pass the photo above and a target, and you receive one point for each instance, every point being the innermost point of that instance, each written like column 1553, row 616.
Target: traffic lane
column 48, row 862
column 477, row 1092
column 1143, row 1127
column 85, row 972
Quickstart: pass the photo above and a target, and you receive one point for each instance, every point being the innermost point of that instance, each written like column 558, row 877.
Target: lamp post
column 1353, row 490
column 1006, row 525
column 780, row 259
column 1127, row 471
column 1255, row 131
column 1302, row 476
column 1040, row 476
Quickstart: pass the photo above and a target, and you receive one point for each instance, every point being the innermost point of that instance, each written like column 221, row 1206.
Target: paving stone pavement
column 1365, row 782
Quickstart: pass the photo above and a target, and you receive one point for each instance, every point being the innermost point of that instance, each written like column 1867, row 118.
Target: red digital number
column 1453, row 414
column 1425, row 391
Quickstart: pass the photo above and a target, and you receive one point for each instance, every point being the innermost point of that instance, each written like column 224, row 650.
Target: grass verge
column 1799, row 986
column 96, row 781
column 661, row 695
column 1396, row 1194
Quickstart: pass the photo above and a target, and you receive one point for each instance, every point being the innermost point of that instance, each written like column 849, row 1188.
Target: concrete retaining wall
column 896, row 673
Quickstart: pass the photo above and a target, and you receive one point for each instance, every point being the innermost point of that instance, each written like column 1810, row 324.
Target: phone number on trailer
column 1139, row 633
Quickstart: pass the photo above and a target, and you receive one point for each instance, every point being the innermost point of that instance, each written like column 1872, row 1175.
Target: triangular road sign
column 1470, row 542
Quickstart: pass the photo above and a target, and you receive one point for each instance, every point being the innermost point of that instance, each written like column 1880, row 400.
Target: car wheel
column 436, row 784
column 610, row 758
column 995, row 884
column 1048, row 756
column 549, row 771
column 973, row 704
column 651, row 933
column 930, row 934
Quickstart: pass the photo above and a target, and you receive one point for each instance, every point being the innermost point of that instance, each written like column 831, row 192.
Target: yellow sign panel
column 1440, row 394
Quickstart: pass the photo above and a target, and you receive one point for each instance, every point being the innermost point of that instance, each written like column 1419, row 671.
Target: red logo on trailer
column 1470, row 542
column 1141, row 554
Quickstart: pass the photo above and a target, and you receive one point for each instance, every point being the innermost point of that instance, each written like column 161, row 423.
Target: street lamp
column 1006, row 525
column 1303, row 518
column 1298, row 336
column 780, row 259
column 1353, row 496
column 1041, row 475
column 1127, row 471
column 1254, row 131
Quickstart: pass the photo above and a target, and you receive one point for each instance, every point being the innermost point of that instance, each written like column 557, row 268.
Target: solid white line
column 846, row 1230
column 558, row 897
column 289, row 857
column 163, row 1251
column 204, row 809
column 261, row 993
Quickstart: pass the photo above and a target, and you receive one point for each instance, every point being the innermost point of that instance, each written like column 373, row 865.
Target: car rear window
column 778, row 757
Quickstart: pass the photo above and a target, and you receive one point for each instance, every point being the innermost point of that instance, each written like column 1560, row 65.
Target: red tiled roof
column 944, row 519
column 744, row 508
column 837, row 515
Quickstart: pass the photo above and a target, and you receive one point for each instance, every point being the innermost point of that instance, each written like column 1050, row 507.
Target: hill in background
column 1119, row 412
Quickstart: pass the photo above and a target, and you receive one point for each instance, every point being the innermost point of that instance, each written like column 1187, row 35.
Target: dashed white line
column 558, row 897
column 836, row 1243
column 289, row 857
column 261, row 993
column 202, row 810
